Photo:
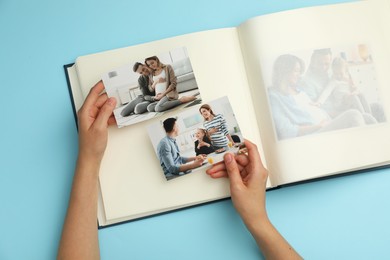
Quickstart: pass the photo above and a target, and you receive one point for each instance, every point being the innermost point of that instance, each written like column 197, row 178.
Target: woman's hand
column 162, row 80
column 158, row 96
column 153, row 87
column 248, row 179
column 94, row 117
column 212, row 130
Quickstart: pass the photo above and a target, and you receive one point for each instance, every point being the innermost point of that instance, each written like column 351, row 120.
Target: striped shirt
column 219, row 139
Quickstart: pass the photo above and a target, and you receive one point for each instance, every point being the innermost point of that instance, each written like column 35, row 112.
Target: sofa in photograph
column 185, row 75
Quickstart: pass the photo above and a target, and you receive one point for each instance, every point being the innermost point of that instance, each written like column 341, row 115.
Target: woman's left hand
column 158, row 96
column 94, row 117
column 162, row 80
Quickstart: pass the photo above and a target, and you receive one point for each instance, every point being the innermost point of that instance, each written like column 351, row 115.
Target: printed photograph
column 147, row 88
column 196, row 139
column 320, row 90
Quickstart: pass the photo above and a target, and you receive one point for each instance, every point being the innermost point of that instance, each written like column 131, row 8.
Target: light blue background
column 341, row 218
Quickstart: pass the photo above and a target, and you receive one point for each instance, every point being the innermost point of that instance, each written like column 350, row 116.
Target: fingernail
column 228, row 158
column 111, row 101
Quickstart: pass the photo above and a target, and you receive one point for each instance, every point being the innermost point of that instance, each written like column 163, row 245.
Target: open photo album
column 310, row 87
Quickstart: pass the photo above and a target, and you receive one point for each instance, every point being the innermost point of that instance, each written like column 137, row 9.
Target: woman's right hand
column 248, row 179
column 212, row 130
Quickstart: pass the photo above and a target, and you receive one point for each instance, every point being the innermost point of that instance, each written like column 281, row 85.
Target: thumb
column 232, row 169
column 105, row 113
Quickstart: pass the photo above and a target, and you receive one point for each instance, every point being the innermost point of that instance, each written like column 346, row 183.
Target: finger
column 89, row 107
column 93, row 94
column 220, row 174
column 242, row 160
column 101, row 100
column 253, row 152
column 257, row 171
column 217, row 167
column 241, row 169
column 232, row 169
column 221, row 168
column 105, row 113
column 111, row 120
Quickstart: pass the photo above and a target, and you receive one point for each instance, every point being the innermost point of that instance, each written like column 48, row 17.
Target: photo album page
column 320, row 76
column 159, row 122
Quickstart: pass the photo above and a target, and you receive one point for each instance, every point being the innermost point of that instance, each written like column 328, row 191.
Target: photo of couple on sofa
column 159, row 87
column 322, row 98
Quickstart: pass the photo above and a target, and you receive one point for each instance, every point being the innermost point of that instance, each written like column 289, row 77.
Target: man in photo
column 172, row 163
column 140, row 104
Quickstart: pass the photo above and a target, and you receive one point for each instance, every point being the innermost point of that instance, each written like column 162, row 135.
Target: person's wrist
column 89, row 156
column 257, row 222
column 89, row 165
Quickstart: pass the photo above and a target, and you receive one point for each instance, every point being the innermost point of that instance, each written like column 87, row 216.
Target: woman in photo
column 294, row 113
column 202, row 143
column 164, row 84
column 216, row 128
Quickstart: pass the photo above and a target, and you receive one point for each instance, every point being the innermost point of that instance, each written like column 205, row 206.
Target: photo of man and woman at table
column 196, row 138
column 323, row 90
